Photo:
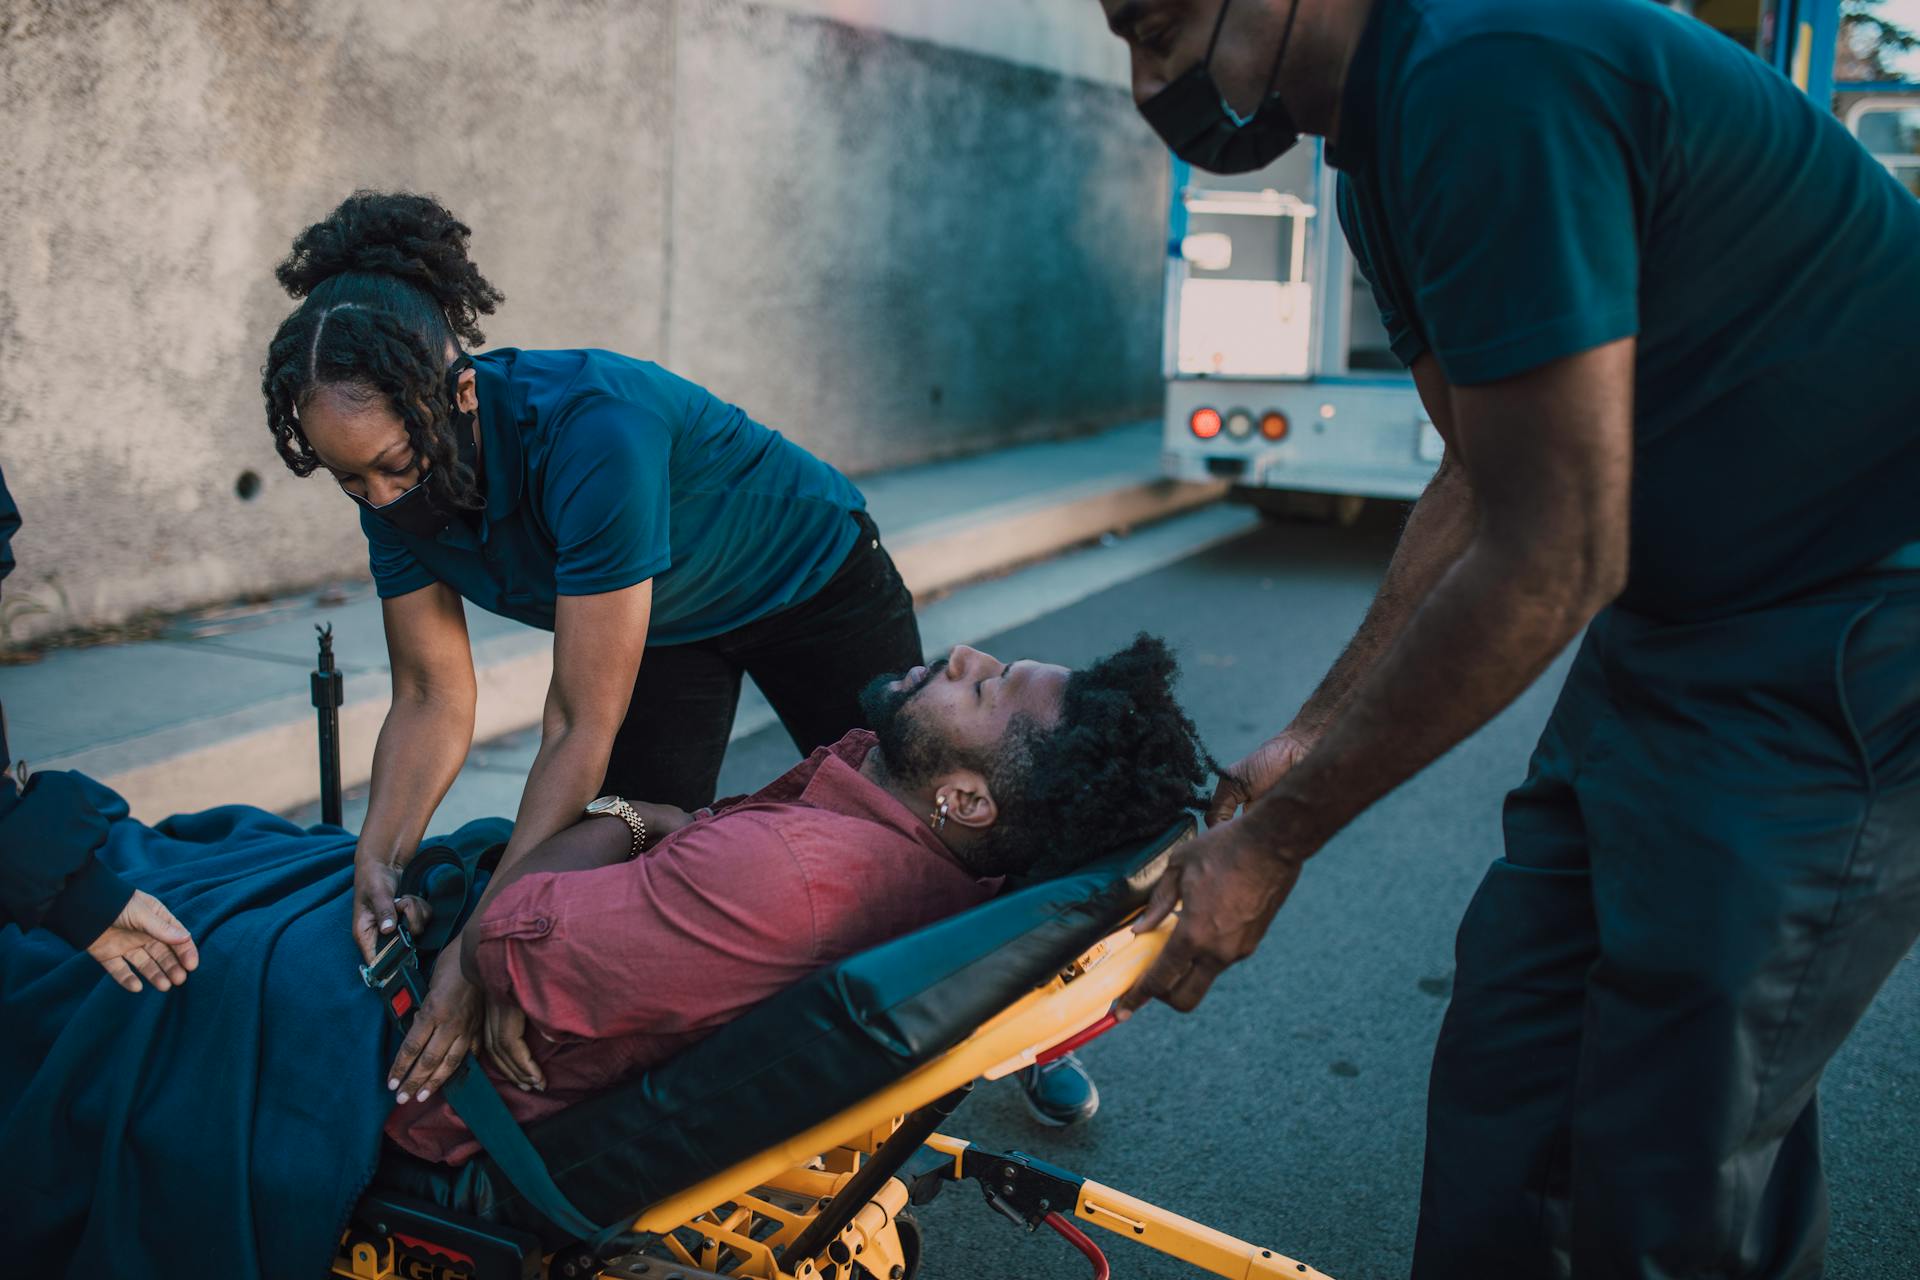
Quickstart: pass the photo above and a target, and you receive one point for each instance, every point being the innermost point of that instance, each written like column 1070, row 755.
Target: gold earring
column 939, row 818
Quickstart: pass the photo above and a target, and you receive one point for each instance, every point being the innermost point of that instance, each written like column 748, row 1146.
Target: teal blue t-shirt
column 600, row 472
column 1527, row 179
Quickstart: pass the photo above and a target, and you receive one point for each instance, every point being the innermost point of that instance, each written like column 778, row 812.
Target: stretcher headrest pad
column 836, row 1037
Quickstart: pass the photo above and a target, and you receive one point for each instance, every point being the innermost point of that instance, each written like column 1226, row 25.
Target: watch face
column 603, row 805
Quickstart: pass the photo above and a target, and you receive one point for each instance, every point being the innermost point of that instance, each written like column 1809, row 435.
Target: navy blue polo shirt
column 1523, row 181
column 602, row 471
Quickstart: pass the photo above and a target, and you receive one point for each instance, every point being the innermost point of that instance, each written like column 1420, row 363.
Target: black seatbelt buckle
column 395, row 973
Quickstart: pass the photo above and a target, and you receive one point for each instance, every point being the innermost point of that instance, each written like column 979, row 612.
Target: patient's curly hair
column 1117, row 768
column 387, row 288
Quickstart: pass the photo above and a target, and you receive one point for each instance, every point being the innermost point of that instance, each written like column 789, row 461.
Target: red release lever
column 1106, row 1023
column 1078, row 1239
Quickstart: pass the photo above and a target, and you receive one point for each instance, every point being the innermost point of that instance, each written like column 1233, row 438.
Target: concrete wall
column 895, row 229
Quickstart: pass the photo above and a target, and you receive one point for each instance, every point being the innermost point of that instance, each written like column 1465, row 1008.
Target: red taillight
column 1273, row 425
column 1205, row 423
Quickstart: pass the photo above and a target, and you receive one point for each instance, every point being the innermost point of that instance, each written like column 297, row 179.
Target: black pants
column 810, row 659
column 1712, row 866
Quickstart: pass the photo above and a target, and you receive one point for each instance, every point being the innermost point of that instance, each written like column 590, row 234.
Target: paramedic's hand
column 145, row 939
column 1253, row 776
column 442, row 1033
column 1228, row 883
column 506, row 1041
column 374, row 906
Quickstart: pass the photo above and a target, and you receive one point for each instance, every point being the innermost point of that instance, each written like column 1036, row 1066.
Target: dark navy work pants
column 1712, row 866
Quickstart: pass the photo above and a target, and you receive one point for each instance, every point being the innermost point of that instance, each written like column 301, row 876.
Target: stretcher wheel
column 910, row 1241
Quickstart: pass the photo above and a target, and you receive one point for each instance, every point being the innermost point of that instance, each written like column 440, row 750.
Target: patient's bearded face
column 910, row 747
column 958, row 710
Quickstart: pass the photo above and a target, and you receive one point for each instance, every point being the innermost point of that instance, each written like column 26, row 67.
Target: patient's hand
column 145, row 938
column 442, row 1033
column 506, row 1041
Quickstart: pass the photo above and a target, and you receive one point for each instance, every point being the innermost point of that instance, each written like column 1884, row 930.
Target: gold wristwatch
column 615, row 807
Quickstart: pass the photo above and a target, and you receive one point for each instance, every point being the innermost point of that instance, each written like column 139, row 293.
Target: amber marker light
column 1273, row 425
column 1205, row 423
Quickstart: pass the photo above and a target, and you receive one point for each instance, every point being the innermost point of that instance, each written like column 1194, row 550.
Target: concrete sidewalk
column 216, row 709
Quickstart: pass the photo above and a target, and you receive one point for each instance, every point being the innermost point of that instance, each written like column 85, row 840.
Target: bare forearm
column 1437, row 533
column 1483, row 634
column 565, row 775
column 421, row 747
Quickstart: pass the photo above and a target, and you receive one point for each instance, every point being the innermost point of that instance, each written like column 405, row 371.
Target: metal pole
column 329, row 691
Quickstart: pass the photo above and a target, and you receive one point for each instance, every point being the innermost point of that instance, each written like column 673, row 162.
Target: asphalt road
column 1288, row 1109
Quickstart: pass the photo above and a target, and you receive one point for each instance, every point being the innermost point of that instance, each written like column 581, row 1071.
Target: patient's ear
column 969, row 803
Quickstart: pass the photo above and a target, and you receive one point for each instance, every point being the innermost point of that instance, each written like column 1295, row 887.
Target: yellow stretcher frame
column 741, row 1217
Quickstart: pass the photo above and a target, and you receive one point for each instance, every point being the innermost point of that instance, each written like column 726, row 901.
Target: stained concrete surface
column 160, row 158
column 930, row 248
column 888, row 249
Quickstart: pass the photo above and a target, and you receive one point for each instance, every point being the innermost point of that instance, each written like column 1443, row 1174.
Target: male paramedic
column 1665, row 313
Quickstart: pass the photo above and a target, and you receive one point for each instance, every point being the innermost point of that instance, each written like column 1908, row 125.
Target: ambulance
column 1279, row 377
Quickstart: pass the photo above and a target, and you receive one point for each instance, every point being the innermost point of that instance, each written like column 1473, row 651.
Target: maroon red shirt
column 624, row 966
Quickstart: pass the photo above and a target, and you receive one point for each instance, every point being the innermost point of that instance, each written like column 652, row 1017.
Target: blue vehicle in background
column 1279, row 377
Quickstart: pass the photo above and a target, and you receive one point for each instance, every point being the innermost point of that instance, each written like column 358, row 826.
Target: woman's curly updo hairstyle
column 387, row 288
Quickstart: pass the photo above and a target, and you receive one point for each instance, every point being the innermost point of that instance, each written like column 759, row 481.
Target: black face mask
column 1192, row 117
column 416, row 512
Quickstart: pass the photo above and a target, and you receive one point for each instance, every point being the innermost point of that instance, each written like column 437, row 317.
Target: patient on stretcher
column 975, row 770
column 264, row 1076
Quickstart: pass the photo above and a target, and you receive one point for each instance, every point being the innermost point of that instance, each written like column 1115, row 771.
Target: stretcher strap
column 478, row 1103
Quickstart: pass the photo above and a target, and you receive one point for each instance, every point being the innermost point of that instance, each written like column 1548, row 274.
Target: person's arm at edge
column 1437, row 531
column 50, row 871
column 66, row 887
column 421, row 746
column 52, row 876
column 1550, row 458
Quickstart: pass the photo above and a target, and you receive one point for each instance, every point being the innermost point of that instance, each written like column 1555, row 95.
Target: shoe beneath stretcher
column 1060, row 1093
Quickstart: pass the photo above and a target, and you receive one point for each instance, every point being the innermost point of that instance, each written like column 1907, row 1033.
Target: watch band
column 615, row 807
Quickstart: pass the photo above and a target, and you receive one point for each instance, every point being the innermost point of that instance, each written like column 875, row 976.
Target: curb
column 938, row 557
column 272, row 745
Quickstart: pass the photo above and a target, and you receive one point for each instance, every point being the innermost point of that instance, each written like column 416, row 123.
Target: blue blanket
column 224, row 1128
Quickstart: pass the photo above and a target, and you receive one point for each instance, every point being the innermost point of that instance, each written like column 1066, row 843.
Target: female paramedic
column 597, row 496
